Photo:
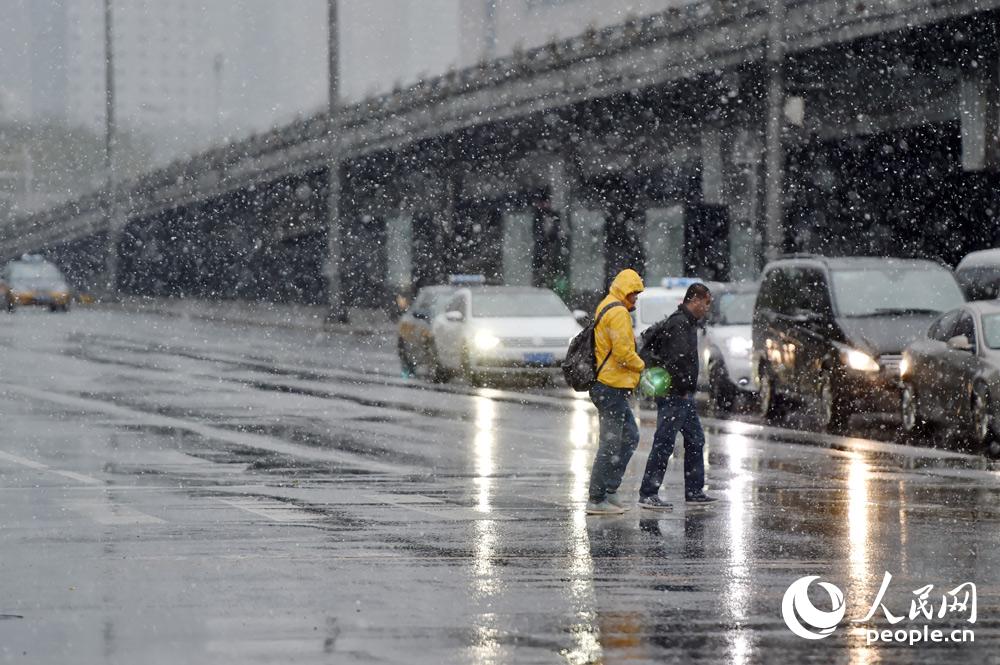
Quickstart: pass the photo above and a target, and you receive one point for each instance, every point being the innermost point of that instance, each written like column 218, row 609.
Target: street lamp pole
column 774, row 162
column 109, row 94
column 333, row 55
column 334, row 260
column 110, row 137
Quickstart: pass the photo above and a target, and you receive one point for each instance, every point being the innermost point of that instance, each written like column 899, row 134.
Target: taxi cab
column 490, row 331
column 658, row 302
column 32, row 280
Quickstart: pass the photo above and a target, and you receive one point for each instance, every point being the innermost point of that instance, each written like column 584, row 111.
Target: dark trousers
column 619, row 436
column 673, row 415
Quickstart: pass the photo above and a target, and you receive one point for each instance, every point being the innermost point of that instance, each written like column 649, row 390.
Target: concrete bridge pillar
column 545, row 223
column 745, row 183
column 561, row 186
column 712, row 166
column 334, row 263
column 979, row 110
column 426, row 204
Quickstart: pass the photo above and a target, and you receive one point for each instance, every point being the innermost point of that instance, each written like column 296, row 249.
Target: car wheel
column 468, row 373
column 909, row 410
column 767, row 400
column 833, row 416
column 720, row 393
column 435, row 371
column 991, row 447
column 980, row 416
column 405, row 360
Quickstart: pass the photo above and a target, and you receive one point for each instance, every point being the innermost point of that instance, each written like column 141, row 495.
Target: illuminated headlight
column 706, row 356
column 904, row 366
column 486, row 340
column 740, row 346
column 860, row 361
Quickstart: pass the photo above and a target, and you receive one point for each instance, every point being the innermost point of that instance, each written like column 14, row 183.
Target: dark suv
column 831, row 331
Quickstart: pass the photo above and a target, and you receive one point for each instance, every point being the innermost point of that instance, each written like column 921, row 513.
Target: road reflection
column 859, row 538
column 586, row 635
column 484, row 443
column 737, row 596
column 486, row 646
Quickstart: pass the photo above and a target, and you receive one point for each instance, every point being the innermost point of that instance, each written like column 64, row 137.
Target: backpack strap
column 600, row 315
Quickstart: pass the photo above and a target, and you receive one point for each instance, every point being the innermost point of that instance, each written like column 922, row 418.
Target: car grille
column 890, row 364
column 534, row 342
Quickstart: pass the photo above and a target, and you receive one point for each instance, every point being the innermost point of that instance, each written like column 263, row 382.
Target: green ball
column 654, row 382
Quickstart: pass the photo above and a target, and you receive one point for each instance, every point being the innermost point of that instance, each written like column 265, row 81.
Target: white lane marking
column 178, row 462
column 276, row 511
column 245, row 439
column 38, row 466
column 79, row 477
column 23, row 461
column 104, row 511
column 404, row 499
column 448, row 514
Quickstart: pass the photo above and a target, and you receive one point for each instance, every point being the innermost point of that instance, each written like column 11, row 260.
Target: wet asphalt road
column 187, row 491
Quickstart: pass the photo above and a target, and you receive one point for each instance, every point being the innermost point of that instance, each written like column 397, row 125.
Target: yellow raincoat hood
column 626, row 282
column 614, row 336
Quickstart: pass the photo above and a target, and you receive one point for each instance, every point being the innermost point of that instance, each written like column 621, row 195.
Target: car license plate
column 539, row 358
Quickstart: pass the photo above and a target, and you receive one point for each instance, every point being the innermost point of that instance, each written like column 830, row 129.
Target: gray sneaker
column 614, row 500
column 603, row 508
column 654, row 503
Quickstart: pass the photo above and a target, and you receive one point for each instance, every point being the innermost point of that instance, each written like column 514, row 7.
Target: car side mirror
column 581, row 316
column 960, row 343
column 455, row 316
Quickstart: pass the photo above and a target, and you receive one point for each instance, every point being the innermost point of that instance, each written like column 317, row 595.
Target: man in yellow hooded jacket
column 620, row 367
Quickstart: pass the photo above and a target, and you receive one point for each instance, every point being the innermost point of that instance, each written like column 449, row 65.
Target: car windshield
column 36, row 274
column 736, row 309
column 433, row 300
column 656, row 308
column 517, row 303
column 991, row 330
column 886, row 291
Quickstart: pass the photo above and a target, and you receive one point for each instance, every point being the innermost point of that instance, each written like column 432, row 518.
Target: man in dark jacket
column 673, row 345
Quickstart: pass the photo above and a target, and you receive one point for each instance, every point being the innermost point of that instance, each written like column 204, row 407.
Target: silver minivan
column 979, row 274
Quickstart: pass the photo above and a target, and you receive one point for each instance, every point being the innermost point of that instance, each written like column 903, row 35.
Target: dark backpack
column 647, row 341
column 580, row 366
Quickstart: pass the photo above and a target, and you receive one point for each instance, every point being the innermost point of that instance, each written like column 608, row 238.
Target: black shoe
column 699, row 500
column 654, row 503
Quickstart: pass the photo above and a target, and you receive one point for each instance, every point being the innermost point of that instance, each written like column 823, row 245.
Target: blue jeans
column 673, row 415
column 618, row 439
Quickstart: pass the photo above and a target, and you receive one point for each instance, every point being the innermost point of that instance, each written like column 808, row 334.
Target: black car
column 831, row 331
column 951, row 378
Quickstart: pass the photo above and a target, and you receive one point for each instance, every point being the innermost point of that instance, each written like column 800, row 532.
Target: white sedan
column 503, row 330
column 725, row 346
column 658, row 302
